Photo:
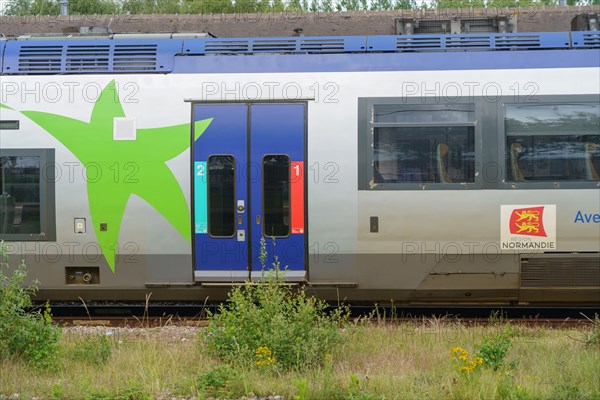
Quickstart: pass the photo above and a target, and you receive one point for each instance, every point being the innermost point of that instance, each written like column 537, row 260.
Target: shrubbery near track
column 23, row 334
column 271, row 324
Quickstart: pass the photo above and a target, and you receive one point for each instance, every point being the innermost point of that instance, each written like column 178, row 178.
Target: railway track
column 195, row 314
column 156, row 322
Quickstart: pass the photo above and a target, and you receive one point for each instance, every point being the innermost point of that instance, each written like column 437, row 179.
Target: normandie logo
column 527, row 221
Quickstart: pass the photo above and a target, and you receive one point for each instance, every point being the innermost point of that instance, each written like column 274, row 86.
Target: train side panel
column 429, row 244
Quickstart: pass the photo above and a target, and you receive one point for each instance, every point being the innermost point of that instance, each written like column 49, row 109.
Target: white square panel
column 124, row 129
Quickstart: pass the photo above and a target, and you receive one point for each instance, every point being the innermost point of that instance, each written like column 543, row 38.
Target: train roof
column 117, row 54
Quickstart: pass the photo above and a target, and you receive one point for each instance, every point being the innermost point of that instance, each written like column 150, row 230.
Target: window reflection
column 553, row 142
column 20, row 195
column 423, row 143
column 424, row 154
column 276, row 195
column 221, row 196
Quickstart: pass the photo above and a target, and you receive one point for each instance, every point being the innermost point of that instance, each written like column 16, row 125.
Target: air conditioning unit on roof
column 422, row 26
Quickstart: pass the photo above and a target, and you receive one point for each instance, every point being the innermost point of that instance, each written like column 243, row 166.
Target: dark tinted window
column 221, row 196
column 423, row 144
column 552, row 142
column 424, row 154
column 20, row 195
column 276, row 195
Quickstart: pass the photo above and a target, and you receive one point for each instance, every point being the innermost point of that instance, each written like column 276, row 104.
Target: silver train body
column 424, row 175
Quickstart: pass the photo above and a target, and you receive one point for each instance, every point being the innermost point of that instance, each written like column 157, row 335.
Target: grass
column 378, row 361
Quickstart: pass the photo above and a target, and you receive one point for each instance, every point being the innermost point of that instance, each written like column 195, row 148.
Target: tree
column 326, row 5
column 263, row 6
column 90, row 7
column 381, row 5
column 348, row 5
column 32, row 7
column 509, row 3
column 207, row 7
column 277, row 6
column 245, row 6
column 405, row 5
column 294, row 6
column 168, row 7
column 458, row 3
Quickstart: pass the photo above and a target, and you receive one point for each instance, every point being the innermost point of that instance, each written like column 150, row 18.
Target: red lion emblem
column 527, row 221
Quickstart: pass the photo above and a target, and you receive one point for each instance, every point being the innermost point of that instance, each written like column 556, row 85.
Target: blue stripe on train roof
column 442, row 61
column 300, row 54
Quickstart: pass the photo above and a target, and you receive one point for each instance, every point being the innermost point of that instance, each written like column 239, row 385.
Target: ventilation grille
column 135, row 57
column 282, row 45
column 517, row 41
column 91, row 56
column 148, row 55
column 560, row 272
column 418, row 43
column 88, row 58
column 451, row 42
column 40, row 59
column 322, row 46
column 469, row 42
column 586, row 40
column 591, row 40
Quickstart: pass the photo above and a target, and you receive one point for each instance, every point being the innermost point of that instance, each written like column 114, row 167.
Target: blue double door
column 249, row 191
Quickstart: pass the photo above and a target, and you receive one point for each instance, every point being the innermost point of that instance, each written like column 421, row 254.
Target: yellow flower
column 462, row 363
column 263, row 356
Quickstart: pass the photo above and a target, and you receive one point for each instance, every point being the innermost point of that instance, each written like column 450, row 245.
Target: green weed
column 507, row 389
column 357, row 391
column 133, row 392
column 565, row 392
column 23, row 334
column 217, row 382
column 294, row 328
column 301, row 386
column 94, row 350
column 493, row 350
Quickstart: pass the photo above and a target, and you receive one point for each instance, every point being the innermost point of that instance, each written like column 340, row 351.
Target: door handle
column 258, row 220
column 241, row 206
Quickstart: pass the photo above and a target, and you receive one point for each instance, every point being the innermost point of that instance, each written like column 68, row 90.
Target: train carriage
column 414, row 169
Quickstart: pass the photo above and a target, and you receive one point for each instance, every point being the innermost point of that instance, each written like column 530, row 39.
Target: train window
column 423, row 144
column 20, row 195
column 9, row 125
column 276, row 195
column 221, row 195
column 552, row 142
column 26, row 189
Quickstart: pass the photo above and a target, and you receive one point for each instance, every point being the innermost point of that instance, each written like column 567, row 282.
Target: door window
column 276, row 195
column 221, row 195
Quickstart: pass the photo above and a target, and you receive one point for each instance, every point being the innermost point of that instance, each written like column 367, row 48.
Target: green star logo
column 122, row 167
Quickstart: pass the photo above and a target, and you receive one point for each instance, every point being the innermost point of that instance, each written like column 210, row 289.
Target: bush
column 493, row 350
column 23, row 334
column 272, row 325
